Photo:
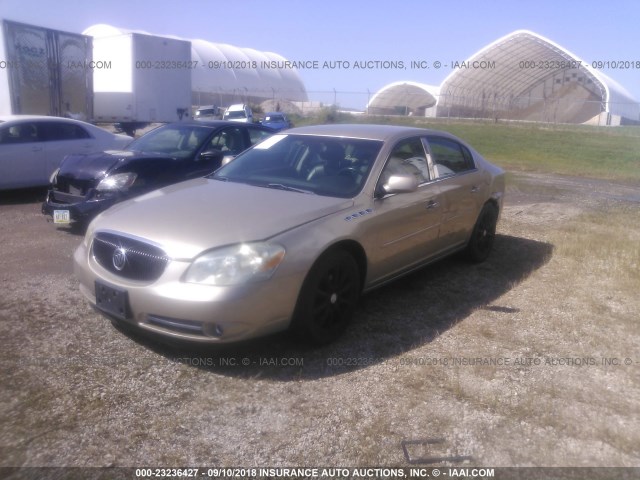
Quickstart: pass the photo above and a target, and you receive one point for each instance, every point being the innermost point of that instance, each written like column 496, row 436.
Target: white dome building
column 404, row 98
column 524, row 76
column 521, row 76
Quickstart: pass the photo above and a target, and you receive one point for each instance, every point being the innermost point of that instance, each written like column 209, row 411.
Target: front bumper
column 81, row 208
column 182, row 311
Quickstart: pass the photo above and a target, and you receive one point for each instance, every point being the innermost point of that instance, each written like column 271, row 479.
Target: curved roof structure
column 253, row 80
column 403, row 98
column 526, row 76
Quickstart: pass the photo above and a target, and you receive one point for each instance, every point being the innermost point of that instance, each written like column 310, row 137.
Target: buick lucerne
column 290, row 233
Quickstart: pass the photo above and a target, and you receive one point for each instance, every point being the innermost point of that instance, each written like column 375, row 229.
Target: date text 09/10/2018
column 312, row 472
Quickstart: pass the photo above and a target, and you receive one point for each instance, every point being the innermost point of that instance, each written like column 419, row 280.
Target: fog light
column 215, row 331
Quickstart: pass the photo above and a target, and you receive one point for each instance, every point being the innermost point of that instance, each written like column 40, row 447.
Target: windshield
column 330, row 166
column 180, row 141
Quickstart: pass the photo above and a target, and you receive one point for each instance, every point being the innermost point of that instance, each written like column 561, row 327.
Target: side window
column 228, row 140
column 256, row 135
column 193, row 139
column 407, row 157
column 22, row 133
column 64, row 131
column 449, row 157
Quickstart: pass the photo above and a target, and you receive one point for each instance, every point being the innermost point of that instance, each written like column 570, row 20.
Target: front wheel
column 484, row 233
column 328, row 298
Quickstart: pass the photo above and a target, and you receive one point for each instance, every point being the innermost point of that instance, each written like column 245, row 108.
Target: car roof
column 217, row 123
column 17, row 118
column 365, row 131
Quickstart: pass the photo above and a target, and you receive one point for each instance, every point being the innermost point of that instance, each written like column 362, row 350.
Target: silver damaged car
column 290, row 233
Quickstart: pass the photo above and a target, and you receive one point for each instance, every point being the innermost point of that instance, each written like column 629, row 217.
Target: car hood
column 96, row 165
column 188, row 218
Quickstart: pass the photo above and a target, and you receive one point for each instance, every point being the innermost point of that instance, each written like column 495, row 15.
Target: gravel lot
column 483, row 356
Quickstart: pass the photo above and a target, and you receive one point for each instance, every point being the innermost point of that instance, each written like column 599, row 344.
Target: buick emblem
column 119, row 258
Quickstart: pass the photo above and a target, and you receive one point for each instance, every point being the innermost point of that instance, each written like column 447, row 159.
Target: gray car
column 290, row 233
column 33, row 146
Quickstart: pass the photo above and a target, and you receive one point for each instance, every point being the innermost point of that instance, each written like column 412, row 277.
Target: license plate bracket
column 61, row 216
column 112, row 300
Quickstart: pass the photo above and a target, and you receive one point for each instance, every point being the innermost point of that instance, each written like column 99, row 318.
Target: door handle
column 475, row 189
column 432, row 204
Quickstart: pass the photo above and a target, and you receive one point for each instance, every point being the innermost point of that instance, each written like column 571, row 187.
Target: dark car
column 276, row 121
column 86, row 185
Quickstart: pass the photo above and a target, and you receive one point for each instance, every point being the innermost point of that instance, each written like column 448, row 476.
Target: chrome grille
column 140, row 261
column 176, row 325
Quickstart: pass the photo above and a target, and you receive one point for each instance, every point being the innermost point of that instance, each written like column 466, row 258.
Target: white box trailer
column 141, row 79
column 45, row 72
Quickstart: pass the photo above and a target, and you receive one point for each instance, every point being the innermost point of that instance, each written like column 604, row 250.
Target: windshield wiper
column 280, row 186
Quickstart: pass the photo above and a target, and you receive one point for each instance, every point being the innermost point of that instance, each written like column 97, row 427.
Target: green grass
column 581, row 150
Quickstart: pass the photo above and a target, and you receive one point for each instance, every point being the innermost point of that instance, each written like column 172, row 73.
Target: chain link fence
column 573, row 107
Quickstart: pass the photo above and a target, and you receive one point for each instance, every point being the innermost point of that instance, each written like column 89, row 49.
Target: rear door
column 461, row 188
column 62, row 139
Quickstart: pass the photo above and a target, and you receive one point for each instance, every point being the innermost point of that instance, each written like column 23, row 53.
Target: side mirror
column 403, row 183
column 213, row 155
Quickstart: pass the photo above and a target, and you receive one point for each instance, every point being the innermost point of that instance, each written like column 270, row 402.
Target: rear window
column 55, row 131
column 449, row 156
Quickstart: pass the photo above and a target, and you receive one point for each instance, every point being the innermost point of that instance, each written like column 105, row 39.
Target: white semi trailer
column 45, row 72
column 128, row 79
column 143, row 79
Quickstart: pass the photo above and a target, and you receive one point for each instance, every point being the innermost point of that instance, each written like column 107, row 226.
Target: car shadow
column 23, row 196
column 75, row 229
column 390, row 321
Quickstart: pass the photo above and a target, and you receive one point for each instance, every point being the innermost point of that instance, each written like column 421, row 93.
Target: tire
column 328, row 298
column 483, row 235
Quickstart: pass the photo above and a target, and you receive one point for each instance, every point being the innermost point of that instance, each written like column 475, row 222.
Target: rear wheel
column 328, row 298
column 483, row 235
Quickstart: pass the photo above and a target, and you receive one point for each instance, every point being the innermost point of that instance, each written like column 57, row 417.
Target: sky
column 364, row 31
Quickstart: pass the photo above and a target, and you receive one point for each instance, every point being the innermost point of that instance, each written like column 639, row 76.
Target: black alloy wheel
column 328, row 298
column 483, row 235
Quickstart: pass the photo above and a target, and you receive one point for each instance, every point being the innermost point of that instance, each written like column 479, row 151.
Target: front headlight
column 117, row 181
column 54, row 176
column 243, row 263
